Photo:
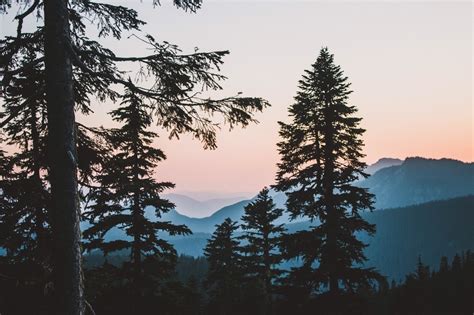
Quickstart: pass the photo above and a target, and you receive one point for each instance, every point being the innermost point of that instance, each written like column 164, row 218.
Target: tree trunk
column 67, row 274
column 38, row 194
column 328, row 188
column 267, row 275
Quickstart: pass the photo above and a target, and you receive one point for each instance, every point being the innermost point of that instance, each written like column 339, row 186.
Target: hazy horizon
column 410, row 65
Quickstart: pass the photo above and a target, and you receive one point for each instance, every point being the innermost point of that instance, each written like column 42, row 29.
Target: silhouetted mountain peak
column 418, row 180
column 383, row 163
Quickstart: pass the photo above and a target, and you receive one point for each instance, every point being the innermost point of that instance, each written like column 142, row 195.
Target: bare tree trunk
column 67, row 275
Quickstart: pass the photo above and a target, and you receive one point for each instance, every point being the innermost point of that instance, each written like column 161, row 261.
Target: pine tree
column 67, row 54
column 126, row 188
column 443, row 265
column 321, row 154
column 225, row 276
column 262, row 241
column 24, row 226
column 456, row 265
column 25, row 217
column 422, row 270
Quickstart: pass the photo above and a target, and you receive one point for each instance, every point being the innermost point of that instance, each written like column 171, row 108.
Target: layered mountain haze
column 416, row 190
column 404, row 231
column 382, row 163
column 207, row 224
column 395, row 183
column 200, row 208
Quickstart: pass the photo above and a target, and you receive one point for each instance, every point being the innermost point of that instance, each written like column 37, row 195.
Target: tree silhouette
column 225, row 271
column 62, row 47
column 321, row 156
column 126, row 188
column 26, row 232
column 26, row 216
column 261, row 252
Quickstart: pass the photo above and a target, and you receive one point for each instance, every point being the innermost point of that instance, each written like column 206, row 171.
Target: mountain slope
column 429, row 230
column 197, row 208
column 382, row 163
column 418, row 180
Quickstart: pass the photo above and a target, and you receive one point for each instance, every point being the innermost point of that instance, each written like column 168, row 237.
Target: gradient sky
column 410, row 64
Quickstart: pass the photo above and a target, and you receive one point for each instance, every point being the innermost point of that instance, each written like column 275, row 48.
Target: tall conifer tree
column 225, row 273
column 261, row 249
column 126, row 188
column 24, row 222
column 25, row 216
column 321, row 157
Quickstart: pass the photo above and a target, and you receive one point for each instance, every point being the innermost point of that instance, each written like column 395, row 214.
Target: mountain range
column 428, row 231
column 425, row 207
column 418, row 180
column 398, row 184
column 382, row 163
column 200, row 208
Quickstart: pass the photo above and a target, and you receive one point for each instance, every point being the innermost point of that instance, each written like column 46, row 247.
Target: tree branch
column 22, row 16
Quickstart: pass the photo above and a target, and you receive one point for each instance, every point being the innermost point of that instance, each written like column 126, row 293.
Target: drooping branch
column 23, row 15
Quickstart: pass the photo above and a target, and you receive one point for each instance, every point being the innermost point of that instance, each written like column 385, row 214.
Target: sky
column 410, row 65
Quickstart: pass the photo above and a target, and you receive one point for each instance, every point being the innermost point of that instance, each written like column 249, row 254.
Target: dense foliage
column 321, row 157
column 126, row 187
column 261, row 249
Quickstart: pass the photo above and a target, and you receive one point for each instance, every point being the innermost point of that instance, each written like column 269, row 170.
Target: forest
column 65, row 186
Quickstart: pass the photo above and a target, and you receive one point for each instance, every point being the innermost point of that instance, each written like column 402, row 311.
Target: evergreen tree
column 66, row 53
column 262, row 241
column 422, row 270
column 126, row 188
column 457, row 263
column 225, row 276
column 25, row 217
column 443, row 265
column 23, row 221
column 321, row 154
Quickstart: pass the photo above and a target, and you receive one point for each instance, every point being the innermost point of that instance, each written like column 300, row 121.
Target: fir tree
column 262, row 241
column 443, row 265
column 422, row 270
column 23, row 222
column 321, row 154
column 456, row 265
column 126, row 188
column 225, row 273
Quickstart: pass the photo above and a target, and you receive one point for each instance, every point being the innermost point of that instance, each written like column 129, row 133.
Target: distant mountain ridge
column 207, row 224
column 382, row 163
column 416, row 180
column 419, row 180
column 199, row 208
column 431, row 214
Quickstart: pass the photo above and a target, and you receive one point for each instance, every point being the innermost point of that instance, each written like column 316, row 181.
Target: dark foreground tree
column 126, row 188
column 261, row 249
column 66, row 53
column 321, row 156
column 224, row 278
column 24, row 228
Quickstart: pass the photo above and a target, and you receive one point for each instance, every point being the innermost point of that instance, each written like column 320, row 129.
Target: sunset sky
column 410, row 64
